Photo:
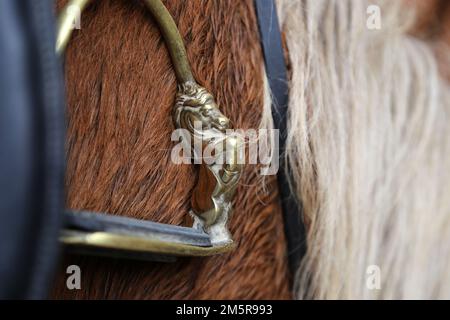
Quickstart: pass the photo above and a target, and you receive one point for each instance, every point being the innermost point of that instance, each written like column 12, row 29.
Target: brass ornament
column 197, row 112
column 216, row 187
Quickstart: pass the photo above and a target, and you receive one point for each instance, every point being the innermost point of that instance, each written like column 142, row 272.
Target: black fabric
column 32, row 148
column 102, row 222
column 271, row 43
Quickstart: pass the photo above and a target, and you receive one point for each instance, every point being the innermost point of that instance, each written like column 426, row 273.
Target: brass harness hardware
column 212, row 197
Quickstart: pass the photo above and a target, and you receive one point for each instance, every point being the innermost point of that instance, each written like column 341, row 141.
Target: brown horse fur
column 121, row 89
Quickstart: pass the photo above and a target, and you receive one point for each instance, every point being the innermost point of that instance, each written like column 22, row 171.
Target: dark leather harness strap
column 32, row 149
column 271, row 43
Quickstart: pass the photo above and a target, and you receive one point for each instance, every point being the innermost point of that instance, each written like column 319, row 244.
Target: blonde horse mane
column 369, row 128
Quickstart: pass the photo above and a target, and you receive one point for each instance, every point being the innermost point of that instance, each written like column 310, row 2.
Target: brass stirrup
column 195, row 109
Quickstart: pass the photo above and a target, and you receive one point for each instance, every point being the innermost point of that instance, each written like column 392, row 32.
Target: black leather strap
column 101, row 222
column 32, row 148
column 271, row 43
column 83, row 222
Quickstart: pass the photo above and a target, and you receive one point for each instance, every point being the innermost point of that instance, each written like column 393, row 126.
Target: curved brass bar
column 141, row 244
column 173, row 40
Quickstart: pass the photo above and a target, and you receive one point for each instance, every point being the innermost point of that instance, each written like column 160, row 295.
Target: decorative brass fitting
column 212, row 196
column 197, row 112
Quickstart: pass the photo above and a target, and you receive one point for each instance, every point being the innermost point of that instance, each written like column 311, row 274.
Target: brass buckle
column 211, row 201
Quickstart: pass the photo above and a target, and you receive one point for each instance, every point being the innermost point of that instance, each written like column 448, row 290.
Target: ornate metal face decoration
column 196, row 111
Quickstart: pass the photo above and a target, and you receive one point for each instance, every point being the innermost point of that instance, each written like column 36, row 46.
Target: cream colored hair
column 369, row 144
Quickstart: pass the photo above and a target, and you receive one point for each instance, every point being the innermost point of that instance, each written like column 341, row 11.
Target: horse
column 366, row 147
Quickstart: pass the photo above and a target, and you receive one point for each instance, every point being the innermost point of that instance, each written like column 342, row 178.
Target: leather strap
column 32, row 149
column 271, row 43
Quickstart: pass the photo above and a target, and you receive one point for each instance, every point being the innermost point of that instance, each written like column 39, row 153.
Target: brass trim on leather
column 143, row 244
column 194, row 108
